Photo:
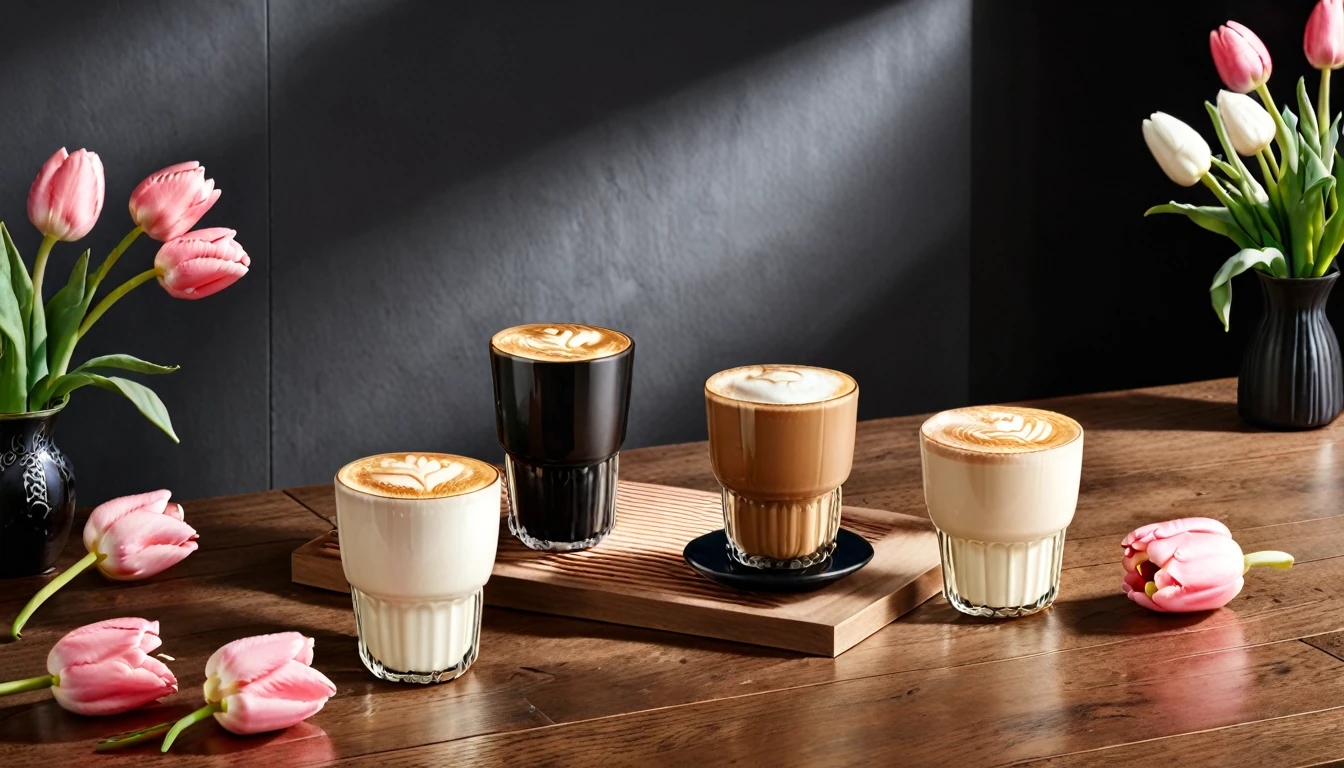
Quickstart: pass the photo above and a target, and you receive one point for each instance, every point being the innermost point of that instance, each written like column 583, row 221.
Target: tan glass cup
column 1001, row 485
column 781, row 442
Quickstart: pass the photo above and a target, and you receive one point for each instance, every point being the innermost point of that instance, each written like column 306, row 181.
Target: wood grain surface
column 637, row 576
column 1095, row 680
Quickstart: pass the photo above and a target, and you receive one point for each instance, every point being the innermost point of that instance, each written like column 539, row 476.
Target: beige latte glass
column 1001, row 485
column 418, row 535
column 781, row 441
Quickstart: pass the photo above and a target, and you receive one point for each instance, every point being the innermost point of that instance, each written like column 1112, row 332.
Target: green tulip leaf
column 1214, row 218
column 125, row 363
column 1309, row 119
column 1266, row 259
column 65, row 310
column 19, row 278
column 144, row 399
column 14, row 349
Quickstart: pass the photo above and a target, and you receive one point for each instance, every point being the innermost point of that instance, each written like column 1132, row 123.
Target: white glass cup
column 418, row 535
column 1001, row 485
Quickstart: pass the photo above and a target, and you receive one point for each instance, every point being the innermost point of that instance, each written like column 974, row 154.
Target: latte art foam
column 780, row 384
column 561, row 342
column 417, row 476
column 1001, row 429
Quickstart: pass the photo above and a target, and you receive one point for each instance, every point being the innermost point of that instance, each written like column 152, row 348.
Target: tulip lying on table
column 104, row 669
column 252, row 685
column 130, row 538
column 1191, row 564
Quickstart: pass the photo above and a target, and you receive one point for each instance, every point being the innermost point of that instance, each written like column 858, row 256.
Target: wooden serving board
column 637, row 577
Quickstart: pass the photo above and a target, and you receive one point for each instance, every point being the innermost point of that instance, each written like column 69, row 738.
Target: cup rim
column 339, row 483
column 627, row 349
column 853, row 391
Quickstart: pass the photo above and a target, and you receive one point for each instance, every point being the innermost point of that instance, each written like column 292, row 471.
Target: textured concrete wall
column 727, row 182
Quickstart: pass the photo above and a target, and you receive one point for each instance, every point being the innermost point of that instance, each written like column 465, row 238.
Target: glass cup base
column 1001, row 580
column 781, row 535
column 561, row 509
column 443, row 635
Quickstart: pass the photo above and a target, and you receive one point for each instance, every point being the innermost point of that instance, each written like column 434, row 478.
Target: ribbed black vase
column 37, row 494
column 1290, row 375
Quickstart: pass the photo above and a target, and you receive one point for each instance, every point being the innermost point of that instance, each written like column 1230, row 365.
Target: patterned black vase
column 37, row 494
column 1290, row 376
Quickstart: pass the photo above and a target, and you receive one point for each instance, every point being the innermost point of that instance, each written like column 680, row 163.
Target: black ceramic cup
column 562, row 397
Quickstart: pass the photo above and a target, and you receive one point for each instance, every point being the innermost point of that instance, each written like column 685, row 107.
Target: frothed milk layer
column 417, row 475
column 998, row 430
column 560, row 342
column 780, row 384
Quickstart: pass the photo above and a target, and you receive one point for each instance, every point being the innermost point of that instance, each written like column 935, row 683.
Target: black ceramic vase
column 37, row 494
column 1290, row 375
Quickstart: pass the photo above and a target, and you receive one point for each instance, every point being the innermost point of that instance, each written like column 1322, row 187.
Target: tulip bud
column 259, row 684
column 1242, row 60
column 1178, row 148
column 201, row 263
column 168, row 204
column 67, row 195
column 1249, row 126
column 133, row 537
column 1185, row 565
column 1324, row 38
column 104, row 669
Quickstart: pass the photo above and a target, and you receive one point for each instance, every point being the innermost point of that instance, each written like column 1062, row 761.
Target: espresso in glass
column 1001, row 485
column 418, row 535
column 562, row 398
column 781, row 442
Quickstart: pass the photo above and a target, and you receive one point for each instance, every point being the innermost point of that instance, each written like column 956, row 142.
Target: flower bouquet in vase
column 1281, row 209
column 39, row 334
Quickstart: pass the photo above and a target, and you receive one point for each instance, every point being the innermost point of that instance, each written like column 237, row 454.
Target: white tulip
column 1178, row 148
column 1249, row 126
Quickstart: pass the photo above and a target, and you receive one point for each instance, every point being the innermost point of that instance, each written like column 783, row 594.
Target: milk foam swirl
column 1001, row 429
column 780, row 384
column 417, row 476
column 564, row 342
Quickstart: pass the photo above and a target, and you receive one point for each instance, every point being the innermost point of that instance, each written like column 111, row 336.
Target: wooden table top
column 1260, row 682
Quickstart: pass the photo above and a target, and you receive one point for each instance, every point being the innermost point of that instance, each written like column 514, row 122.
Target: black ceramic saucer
column 708, row 555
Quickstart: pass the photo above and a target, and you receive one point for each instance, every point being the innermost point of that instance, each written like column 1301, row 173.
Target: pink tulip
column 136, row 537
column 67, row 195
column 259, row 684
column 1191, row 564
column 1324, row 38
column 200, row 263
column 133, row 537
column 104, row 669
column 169, row 203
column 1242, row 60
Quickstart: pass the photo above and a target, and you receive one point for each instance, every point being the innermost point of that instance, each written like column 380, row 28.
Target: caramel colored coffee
column 560, row 342
column 781, row 442
column 417, row 475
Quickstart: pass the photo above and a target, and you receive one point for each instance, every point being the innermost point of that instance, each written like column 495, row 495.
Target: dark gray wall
column 727, row 182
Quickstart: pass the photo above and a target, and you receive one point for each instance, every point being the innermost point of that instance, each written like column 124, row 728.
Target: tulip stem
column 1323, row 111
column 111, row 259
column 1286, row 139
column 1265, row 154
column 1212, row 183
column 31, row 684
column 111, row 298
column 50, row 589
column 1271, row 185
column 1268, row 558
column 40, row 268
column 134, row 737
column 187, row 722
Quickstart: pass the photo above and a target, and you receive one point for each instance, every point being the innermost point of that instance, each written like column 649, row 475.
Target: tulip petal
column 112, row 687
column 1197, row 560
column 107, row 513
column 141, row 544
column 1140, row 538
column 288, row 695
column 1141, row 597
column 1185, row 600
column 1133, row 580
column 102, row 640
column 251, row 658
